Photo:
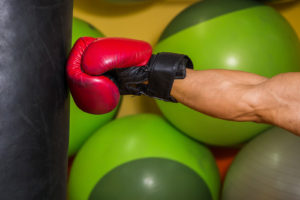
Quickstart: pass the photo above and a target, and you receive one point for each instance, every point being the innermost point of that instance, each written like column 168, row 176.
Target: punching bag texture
column 35, row 37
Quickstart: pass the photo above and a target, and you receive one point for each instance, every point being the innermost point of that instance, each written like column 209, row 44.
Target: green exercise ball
column 143, row 157
column 228, row 34
column 81, row 28
column 82, row 124
column 267, row 168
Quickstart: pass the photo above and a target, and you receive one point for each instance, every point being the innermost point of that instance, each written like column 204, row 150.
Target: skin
column 242, row 96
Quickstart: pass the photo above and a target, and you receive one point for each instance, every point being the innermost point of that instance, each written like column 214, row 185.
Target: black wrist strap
column 165, row 67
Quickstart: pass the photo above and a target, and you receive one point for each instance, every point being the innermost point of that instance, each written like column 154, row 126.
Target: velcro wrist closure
column 164, row 68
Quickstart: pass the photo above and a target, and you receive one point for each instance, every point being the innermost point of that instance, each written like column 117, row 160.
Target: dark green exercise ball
column 153, row 179
column 228, row 34
column 277, row 1
column 127, row 2
column 266, row 169
column 82, row 124
column 143, row 157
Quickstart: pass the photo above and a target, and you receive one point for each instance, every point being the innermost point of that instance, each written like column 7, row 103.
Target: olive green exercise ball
column 228, row 34
column 143, row 157
column 82, row 124
column 267, row 168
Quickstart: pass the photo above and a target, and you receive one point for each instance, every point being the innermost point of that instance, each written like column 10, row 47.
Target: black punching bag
column 34, row 112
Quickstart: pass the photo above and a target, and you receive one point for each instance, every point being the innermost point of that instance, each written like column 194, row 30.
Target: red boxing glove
column 99, row 94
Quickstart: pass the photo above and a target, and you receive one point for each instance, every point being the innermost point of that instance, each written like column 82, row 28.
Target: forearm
column 242, row 96
column 223, row 94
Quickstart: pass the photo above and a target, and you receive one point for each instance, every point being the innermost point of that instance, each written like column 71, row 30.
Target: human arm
column 226, row 94
column 242, row 96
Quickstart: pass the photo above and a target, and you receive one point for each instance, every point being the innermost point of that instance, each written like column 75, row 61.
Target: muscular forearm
column 242, row 96
column 220, row 93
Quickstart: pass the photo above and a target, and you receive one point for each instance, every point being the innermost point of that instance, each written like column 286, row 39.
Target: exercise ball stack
column 228, row 34
column 149, row 157
column 266, row 169
column 82, row 124
column 143, row 157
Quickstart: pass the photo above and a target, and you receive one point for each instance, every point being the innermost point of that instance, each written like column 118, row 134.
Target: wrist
column 164, row 69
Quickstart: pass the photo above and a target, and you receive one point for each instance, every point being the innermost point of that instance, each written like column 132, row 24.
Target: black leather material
column 155, row 79
column 35, row 37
